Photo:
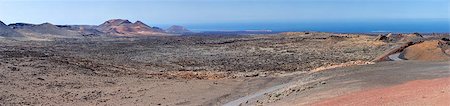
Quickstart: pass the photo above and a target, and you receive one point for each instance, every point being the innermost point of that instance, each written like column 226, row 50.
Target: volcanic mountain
column 6, row 31
column 177, row 29
column 45, row 29
column 85, row 30
column 123, row 27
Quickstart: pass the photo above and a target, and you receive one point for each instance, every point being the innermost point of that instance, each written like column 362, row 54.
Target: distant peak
column 117, row 21
column 47, row 23
column 17, row 25
column 1, row 23
column 176, row 26
column 139, row 23
column 178, row 29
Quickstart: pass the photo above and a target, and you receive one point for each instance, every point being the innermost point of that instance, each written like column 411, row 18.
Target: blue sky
column 157, row 12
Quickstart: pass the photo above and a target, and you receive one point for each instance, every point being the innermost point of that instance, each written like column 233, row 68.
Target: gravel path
column 395, row 57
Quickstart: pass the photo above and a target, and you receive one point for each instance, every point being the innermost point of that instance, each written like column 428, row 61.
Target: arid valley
column 125, row 63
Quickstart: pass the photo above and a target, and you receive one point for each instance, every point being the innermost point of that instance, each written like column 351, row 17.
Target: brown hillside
column 428, row 50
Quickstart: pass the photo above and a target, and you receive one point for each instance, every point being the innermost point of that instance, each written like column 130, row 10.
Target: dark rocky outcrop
column 6, row 31
column 43, row 29
column 382, row 38
column 20, row 25
column 84, row 30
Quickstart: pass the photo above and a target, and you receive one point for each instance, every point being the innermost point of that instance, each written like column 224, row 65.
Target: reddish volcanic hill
column 411, row 37
column 126, row 28
column 428, row 50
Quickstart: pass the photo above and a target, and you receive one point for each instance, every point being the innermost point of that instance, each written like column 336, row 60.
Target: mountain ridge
column 112, row 27
column 6, row 31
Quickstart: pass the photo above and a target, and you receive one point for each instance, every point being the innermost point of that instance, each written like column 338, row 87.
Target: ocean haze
column 361, row 26
column 207, row 15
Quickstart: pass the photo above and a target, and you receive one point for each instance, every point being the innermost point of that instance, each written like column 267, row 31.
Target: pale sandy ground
column 119, row 91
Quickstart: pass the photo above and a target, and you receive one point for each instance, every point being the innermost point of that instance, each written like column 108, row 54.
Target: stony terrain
column 419, row 77
column 125, row 63
column 158, row 70
column 412, row 83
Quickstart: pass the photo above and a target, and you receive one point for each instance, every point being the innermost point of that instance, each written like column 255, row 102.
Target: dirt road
column 242, row 100
column 342, row 81
column 395, row 57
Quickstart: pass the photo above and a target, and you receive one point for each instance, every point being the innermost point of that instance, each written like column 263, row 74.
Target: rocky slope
column 428, row 50
column 84, row 30
column 6, row 31
column 400, row 38
column 411, row 37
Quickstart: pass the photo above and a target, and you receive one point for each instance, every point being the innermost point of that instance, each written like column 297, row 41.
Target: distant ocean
column 405, row 26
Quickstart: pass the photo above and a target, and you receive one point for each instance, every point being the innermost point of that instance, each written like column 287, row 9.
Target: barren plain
column 200, row 70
